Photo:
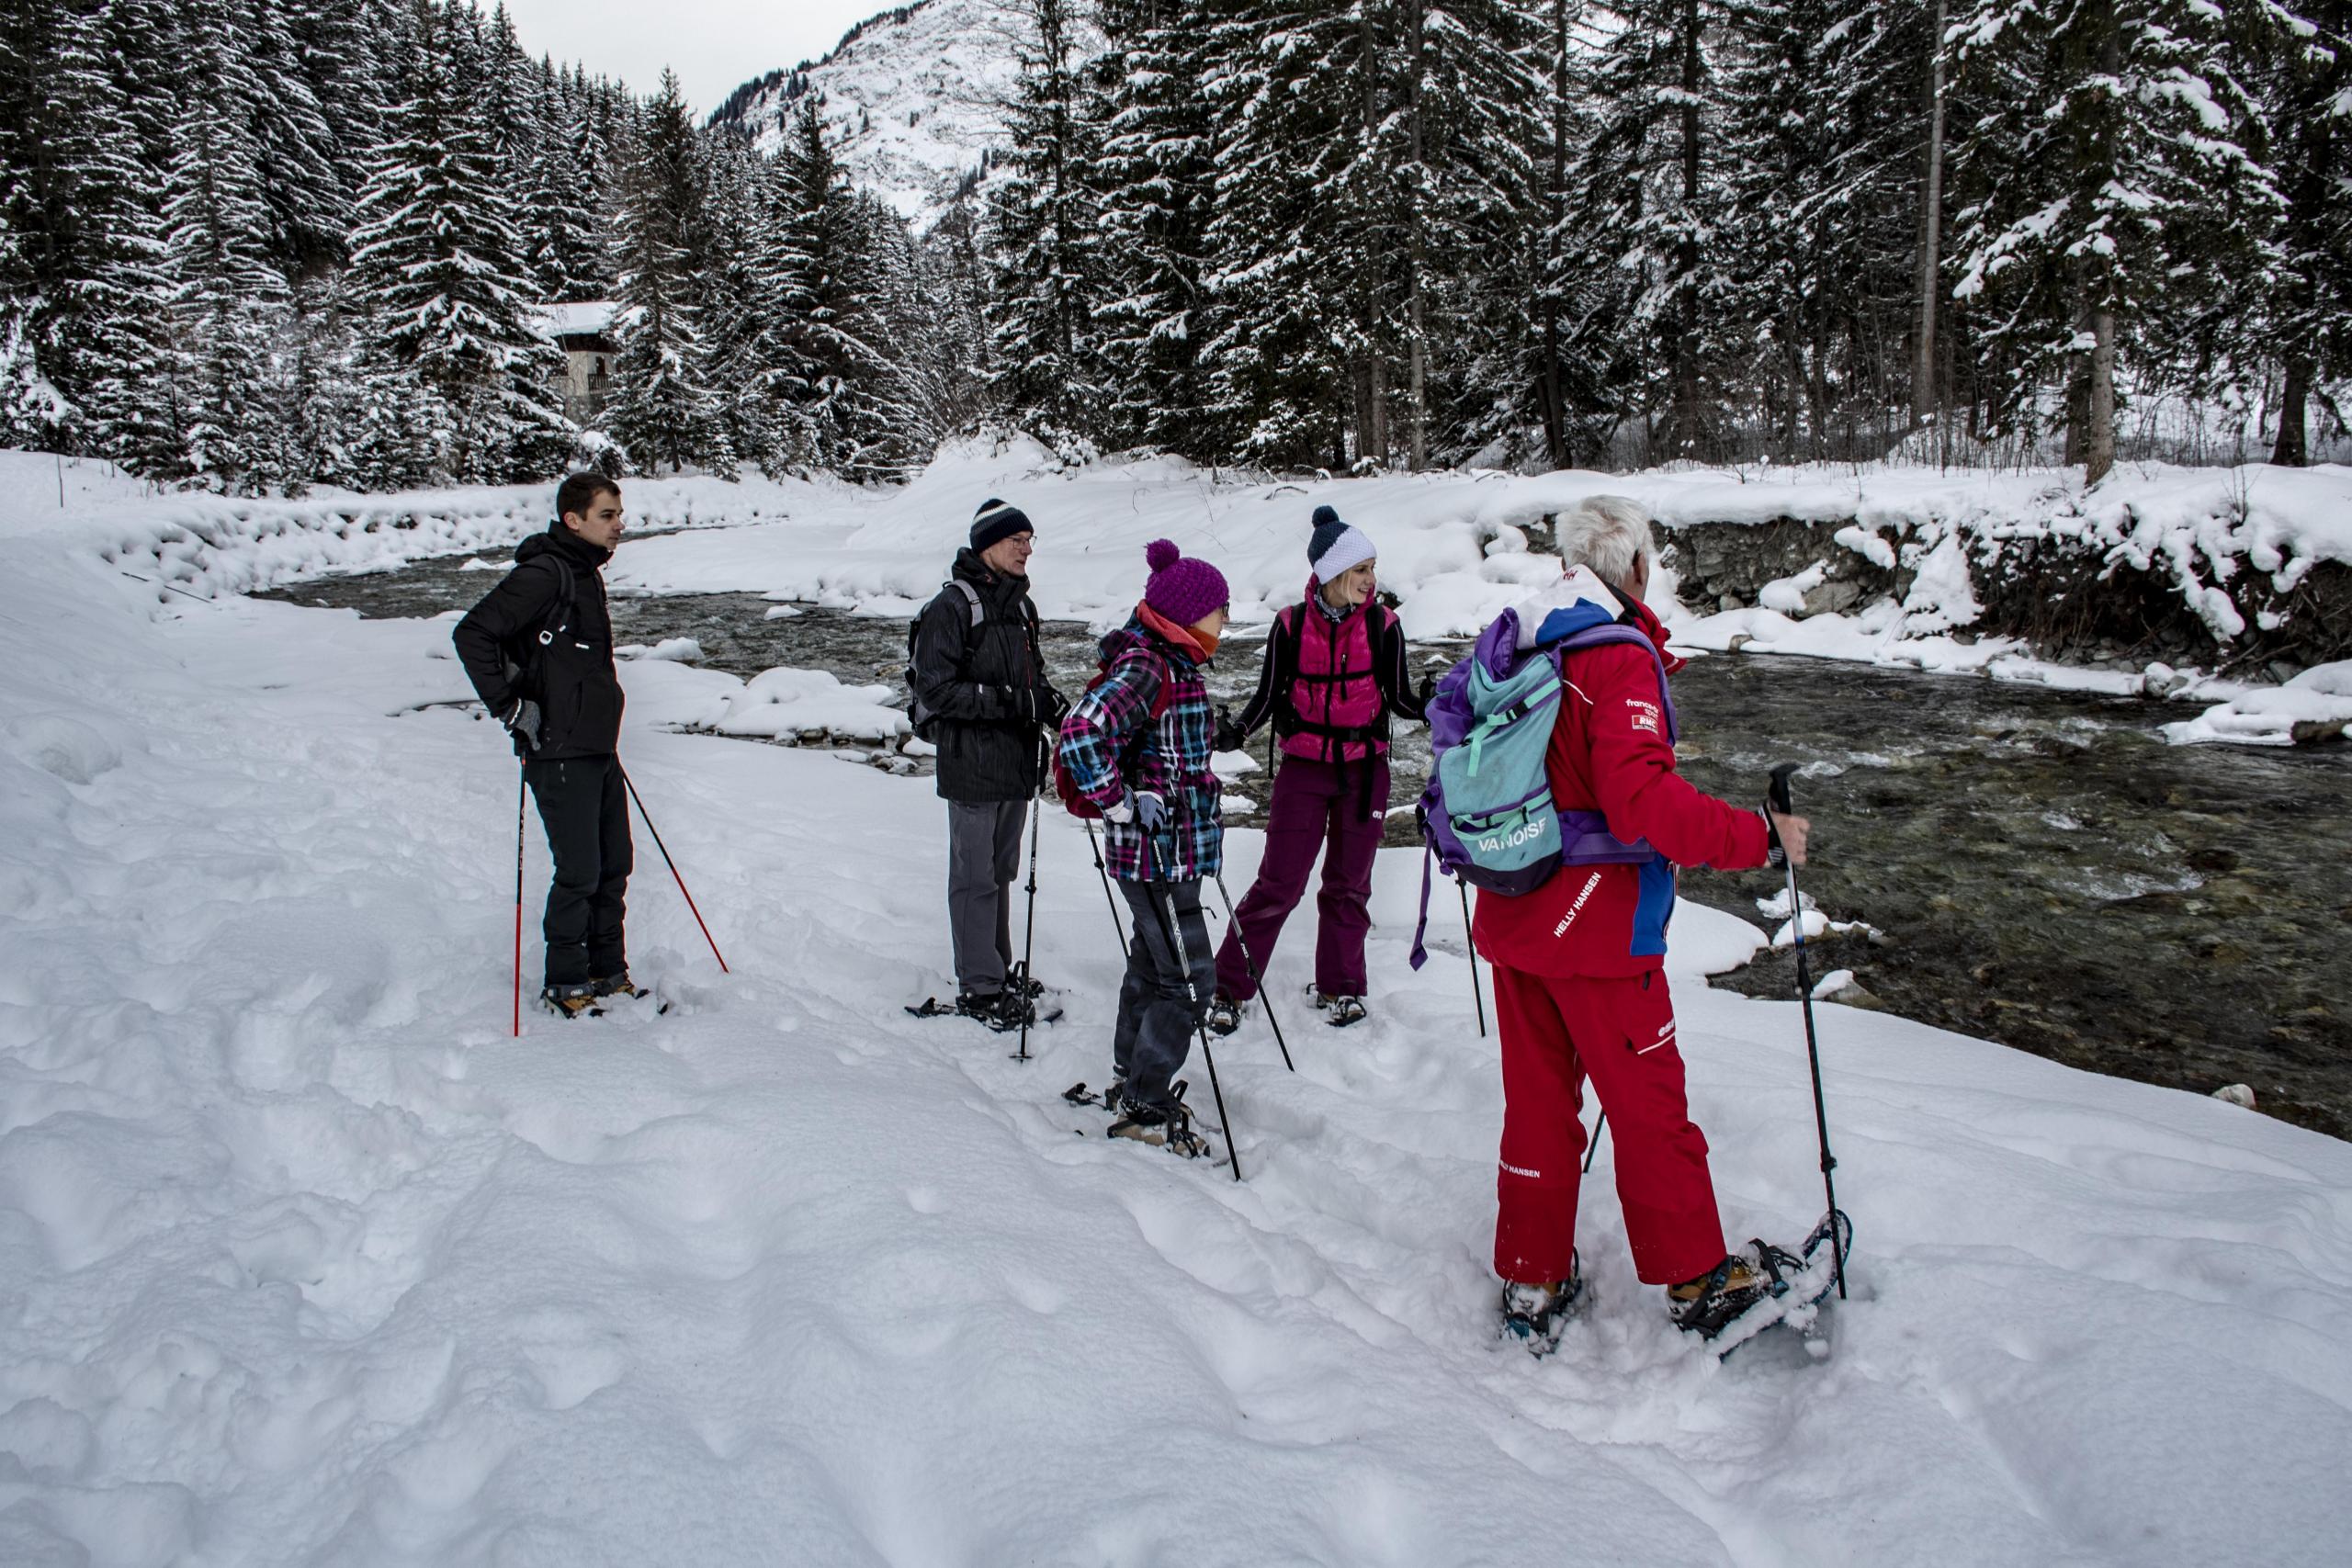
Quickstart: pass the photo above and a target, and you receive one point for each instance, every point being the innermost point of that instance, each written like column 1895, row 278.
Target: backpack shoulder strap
column 971, row 597
column 567, row 598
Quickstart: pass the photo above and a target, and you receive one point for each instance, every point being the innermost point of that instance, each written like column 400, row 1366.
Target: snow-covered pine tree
column 841, row 382
column 1648, row 211
column 229, row 297
column 296, row 155
column 2118, row 177
column 1046, row 232
column 1158, row 186
column 664, row 407
column 438, row 275
column 1828, row 105
column 88, row 236
column 742, row 312
column 2304, row 56
column 1305, row 270
column 564, row 249
column 1460, row 148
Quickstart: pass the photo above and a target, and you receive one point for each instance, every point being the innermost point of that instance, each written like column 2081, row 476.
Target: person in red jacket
column 1580, row 987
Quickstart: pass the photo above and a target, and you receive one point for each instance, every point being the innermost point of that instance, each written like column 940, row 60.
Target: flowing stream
column 2039, row 867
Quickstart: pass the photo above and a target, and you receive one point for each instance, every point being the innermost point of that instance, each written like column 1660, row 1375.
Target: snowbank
column 306, row 1260
column 2313, row 705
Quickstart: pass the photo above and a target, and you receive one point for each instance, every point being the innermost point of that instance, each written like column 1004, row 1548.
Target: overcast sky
column 713, row 45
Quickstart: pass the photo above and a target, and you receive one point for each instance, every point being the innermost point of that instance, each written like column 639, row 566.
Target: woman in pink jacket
column 1334, row 674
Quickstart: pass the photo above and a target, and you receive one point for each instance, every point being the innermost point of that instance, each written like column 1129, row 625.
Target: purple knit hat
column 1182, row 589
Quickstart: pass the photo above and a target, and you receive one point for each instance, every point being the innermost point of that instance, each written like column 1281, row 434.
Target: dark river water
column 2042, row 868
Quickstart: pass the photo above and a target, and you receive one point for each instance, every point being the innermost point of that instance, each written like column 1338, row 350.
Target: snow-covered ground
column 303, row 1260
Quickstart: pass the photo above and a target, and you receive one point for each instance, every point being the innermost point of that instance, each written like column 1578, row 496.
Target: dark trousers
column 1316, row 811
column 983, row 857
column 1157, row 1011
column 586, row 812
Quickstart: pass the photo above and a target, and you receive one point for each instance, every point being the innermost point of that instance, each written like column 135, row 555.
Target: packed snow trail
column 303, row 1260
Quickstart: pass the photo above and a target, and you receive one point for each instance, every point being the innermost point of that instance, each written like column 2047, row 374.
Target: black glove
column 1056, row 706
column 1228, row 734
column 1776, row 857
column 522, row 720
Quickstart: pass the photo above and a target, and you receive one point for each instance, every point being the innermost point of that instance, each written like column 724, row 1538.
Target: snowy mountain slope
column 303, row 1260
column 913, row 96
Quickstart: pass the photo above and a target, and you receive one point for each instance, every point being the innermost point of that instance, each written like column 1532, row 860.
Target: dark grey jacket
column 967, row 683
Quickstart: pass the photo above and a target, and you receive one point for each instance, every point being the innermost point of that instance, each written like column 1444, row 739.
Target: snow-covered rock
column 2315, row 706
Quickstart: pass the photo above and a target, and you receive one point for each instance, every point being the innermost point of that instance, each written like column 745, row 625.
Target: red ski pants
column 1556, row 1030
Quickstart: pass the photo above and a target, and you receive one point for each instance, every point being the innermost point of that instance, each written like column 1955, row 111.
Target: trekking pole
column 1108, row 897
column 1470, row 942
column 1029, row 941
column 1780, row 801
column 1232, row 922
column 1594, row 1148
column 671, row 864
column 1175, row 930
column 522, row 793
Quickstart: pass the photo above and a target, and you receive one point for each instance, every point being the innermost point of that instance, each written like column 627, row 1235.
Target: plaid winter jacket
column 1111, row 744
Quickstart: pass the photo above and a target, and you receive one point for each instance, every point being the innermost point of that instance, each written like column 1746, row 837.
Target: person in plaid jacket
column 1138, row 745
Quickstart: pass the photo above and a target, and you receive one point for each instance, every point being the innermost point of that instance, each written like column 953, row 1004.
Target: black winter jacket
column 570, row 676
column 971, row 678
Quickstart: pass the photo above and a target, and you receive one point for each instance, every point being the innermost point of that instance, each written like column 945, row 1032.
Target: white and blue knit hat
column 1336, row 547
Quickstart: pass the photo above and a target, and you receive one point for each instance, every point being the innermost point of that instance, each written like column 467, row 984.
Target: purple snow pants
column 1312, row 812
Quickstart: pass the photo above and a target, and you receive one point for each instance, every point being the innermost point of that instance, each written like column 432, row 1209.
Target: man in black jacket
column 539, row 651
column 981, row 696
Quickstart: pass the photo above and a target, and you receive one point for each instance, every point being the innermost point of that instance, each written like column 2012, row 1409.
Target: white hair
column 1610, row 534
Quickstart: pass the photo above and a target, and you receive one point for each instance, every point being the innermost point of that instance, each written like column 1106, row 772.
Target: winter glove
column 1427, row 693
column 1146, row 810
column 1228, row 734
column 522, row 720
column 1151, row 813
column 1776, row 857
column 1056, row 706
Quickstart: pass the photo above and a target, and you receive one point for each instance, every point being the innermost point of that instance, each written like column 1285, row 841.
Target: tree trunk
column 1419, row 241
column 1931, row 212
column 1685, row 423
column 1556, row 414
column 2098, row 444
column 2289, row 451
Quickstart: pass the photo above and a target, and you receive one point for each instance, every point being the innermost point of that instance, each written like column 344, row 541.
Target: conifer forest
column 258, row 245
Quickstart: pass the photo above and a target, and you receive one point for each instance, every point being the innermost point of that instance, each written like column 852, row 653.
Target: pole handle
column 1778, row 794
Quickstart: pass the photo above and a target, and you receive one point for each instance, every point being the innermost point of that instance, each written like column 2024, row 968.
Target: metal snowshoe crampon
column 1225, row 1015
column 1762, row 1286
column 1534, row 1315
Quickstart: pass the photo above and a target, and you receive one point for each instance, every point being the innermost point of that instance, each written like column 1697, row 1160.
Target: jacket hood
column 1136, row 634
column 1579, row 602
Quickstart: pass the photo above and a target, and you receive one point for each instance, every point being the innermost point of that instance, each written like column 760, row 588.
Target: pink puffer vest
column 1334, row 693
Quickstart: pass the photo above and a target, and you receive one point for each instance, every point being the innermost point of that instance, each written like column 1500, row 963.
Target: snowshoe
column 1224, row 1016
column 1168, row 1129
column 1341, row 1012
column 616, row 985
column 1776, row 1286
column 617, row 990
column 571, row 1002
column 1534, row 1315
column 1028, row 985
column 999, row 1011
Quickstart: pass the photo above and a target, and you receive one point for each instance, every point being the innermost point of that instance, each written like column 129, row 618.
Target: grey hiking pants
column 983, row 858
column 1158, row 1012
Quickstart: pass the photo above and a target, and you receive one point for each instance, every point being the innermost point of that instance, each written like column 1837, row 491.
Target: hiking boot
column 1000, row 1010
column 1341, row 1012
column 616, row 986
column 1225, row 1015
column 1167, row 1128
column 1535, row 1314
column 1705, row 1305
column 569, row 1001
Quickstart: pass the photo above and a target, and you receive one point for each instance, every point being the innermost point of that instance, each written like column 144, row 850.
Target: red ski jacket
column 1609, row 752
